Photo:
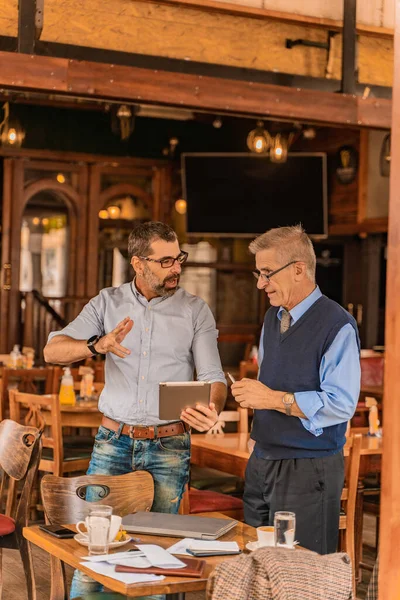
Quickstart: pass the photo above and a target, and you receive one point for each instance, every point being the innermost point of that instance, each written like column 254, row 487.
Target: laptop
column 200, row 528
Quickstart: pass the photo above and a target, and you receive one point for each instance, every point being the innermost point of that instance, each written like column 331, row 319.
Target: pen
column 233, row 380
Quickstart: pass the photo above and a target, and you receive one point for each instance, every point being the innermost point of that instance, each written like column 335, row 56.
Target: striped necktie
column 285, row 320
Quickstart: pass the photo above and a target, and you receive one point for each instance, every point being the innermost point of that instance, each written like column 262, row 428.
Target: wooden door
column 24, row 180
column 142, row 183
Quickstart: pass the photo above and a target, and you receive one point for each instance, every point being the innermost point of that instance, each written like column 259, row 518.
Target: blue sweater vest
column 291, row 363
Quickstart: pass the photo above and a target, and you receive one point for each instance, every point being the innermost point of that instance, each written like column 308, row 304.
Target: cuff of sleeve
column 309, row 403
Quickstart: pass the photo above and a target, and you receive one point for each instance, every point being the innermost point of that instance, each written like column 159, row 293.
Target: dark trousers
column 309, row 487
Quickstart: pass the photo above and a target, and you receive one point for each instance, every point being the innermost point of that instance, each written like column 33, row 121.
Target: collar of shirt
column 298, row 311
column 141, row 298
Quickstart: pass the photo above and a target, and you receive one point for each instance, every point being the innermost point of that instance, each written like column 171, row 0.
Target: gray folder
column 200, row 528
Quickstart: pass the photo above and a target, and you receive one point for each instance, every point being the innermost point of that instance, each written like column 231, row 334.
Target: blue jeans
column 167, row 459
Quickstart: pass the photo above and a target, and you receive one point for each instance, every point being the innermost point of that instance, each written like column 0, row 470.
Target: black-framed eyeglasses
column 257, row 274
column 167, row 262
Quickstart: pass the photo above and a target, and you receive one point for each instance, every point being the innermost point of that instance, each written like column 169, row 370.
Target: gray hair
column 141, row 238
column 291, row 243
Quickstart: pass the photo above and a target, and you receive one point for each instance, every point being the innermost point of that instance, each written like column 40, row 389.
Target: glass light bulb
column 103, row 214
column 181, row 206
column 12, row 135
column 113, row 212
column 60, row 178
column 278, row 151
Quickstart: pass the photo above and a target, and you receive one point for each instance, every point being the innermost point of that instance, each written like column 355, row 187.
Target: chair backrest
column 372, row 368
column 20, row 450
column 44, row 413
column 239, row 416
column 64, row 498
column 25, row 380
column 349, row 497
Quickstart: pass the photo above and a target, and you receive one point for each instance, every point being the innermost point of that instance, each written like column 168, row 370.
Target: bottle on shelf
column 67, row 393
column 15, row 357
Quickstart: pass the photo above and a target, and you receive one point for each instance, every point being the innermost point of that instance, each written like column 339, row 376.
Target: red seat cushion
column 209, row 501
column 7, row 525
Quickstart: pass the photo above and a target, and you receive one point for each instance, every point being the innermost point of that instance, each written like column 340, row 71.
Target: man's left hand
column 201, row 418
column 250, row 393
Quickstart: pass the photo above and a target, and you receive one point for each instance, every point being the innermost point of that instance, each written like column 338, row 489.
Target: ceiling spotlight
column 123, row 120
column 60, row 178
column 217, row 123
column 181, row 206
column 11, row 133
column 258, row 139
column 279, row 149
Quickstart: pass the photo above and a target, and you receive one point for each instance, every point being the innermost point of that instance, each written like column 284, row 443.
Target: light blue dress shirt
column 171, row 336
column 339, row 372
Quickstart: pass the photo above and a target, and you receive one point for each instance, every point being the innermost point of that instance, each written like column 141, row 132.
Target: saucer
column 81, row 539
column 256, row 545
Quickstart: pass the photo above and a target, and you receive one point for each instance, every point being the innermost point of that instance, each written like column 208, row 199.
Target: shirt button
column 144, row 353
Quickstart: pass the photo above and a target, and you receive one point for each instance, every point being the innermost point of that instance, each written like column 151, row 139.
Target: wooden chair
column 44, row 412
column 20, row 449
column 239, row 416
column 202, row 501
column 25, row 380
column 64, row 502
column 347, row 522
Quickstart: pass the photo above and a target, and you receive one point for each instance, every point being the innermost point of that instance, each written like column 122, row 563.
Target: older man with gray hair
column 307, row 391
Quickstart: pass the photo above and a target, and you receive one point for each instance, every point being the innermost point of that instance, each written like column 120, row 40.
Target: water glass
column 285, row 527
column 98, row 524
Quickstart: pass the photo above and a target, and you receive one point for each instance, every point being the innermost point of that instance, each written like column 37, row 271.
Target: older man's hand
column 250, row 393
column 201, row 418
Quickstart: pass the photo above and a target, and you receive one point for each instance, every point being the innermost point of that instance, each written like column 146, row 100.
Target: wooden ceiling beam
column 246, row 98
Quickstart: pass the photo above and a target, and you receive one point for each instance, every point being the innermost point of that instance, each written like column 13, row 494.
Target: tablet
column 175, row 396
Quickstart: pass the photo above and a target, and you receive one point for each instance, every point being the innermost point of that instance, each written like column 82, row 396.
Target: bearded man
column 165, row 334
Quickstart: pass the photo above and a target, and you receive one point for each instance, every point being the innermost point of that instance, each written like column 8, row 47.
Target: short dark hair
column 141, row 238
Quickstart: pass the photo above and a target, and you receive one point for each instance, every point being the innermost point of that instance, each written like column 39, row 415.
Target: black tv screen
column 245, row 194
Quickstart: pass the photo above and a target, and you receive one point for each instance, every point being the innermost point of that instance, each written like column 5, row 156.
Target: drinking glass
column 98, row 524
column 285, row 527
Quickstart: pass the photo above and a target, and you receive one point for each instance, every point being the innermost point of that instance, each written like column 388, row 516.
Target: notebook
column 201, row 528
column 194, row 568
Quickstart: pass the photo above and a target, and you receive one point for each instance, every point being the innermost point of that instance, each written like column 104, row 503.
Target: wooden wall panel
column 9, row 17
column 200, row 34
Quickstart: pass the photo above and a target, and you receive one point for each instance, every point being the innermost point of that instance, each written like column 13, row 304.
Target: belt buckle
column 138, row 435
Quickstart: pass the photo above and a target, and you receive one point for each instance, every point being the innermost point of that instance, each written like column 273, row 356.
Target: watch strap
column 91, row 343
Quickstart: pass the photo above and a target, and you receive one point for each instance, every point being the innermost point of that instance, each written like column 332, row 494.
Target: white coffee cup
column 115, row 525
column 266, row 535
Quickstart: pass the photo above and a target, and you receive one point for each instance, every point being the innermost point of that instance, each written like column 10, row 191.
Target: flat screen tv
column 245, row 194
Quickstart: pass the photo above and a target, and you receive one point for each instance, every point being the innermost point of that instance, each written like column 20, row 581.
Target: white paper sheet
column 158, row 557
column 181, row 547
column 113, row 557
column 103, row 568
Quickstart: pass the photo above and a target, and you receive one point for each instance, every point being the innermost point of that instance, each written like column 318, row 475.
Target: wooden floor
column 14, row 581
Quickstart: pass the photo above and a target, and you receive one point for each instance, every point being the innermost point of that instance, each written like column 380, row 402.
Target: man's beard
column 160, row 288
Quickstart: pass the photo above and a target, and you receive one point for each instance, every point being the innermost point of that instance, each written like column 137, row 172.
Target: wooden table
column 229, row 452
column 82, row 414
column 71, row 552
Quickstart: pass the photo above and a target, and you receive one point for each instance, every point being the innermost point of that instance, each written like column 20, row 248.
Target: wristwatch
column 288, row 400
column 91, row 343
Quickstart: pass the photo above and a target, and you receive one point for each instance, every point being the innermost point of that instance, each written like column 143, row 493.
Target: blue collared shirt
column 171, row 336
column 339, row 373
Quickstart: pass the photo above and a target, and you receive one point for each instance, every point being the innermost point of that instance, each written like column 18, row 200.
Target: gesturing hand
column 250, row 393
column 112, row 341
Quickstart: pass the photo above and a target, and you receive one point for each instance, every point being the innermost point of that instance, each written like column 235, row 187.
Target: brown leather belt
column 139, row 432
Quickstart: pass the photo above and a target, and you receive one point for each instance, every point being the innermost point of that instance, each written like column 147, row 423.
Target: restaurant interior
column 93, row 144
